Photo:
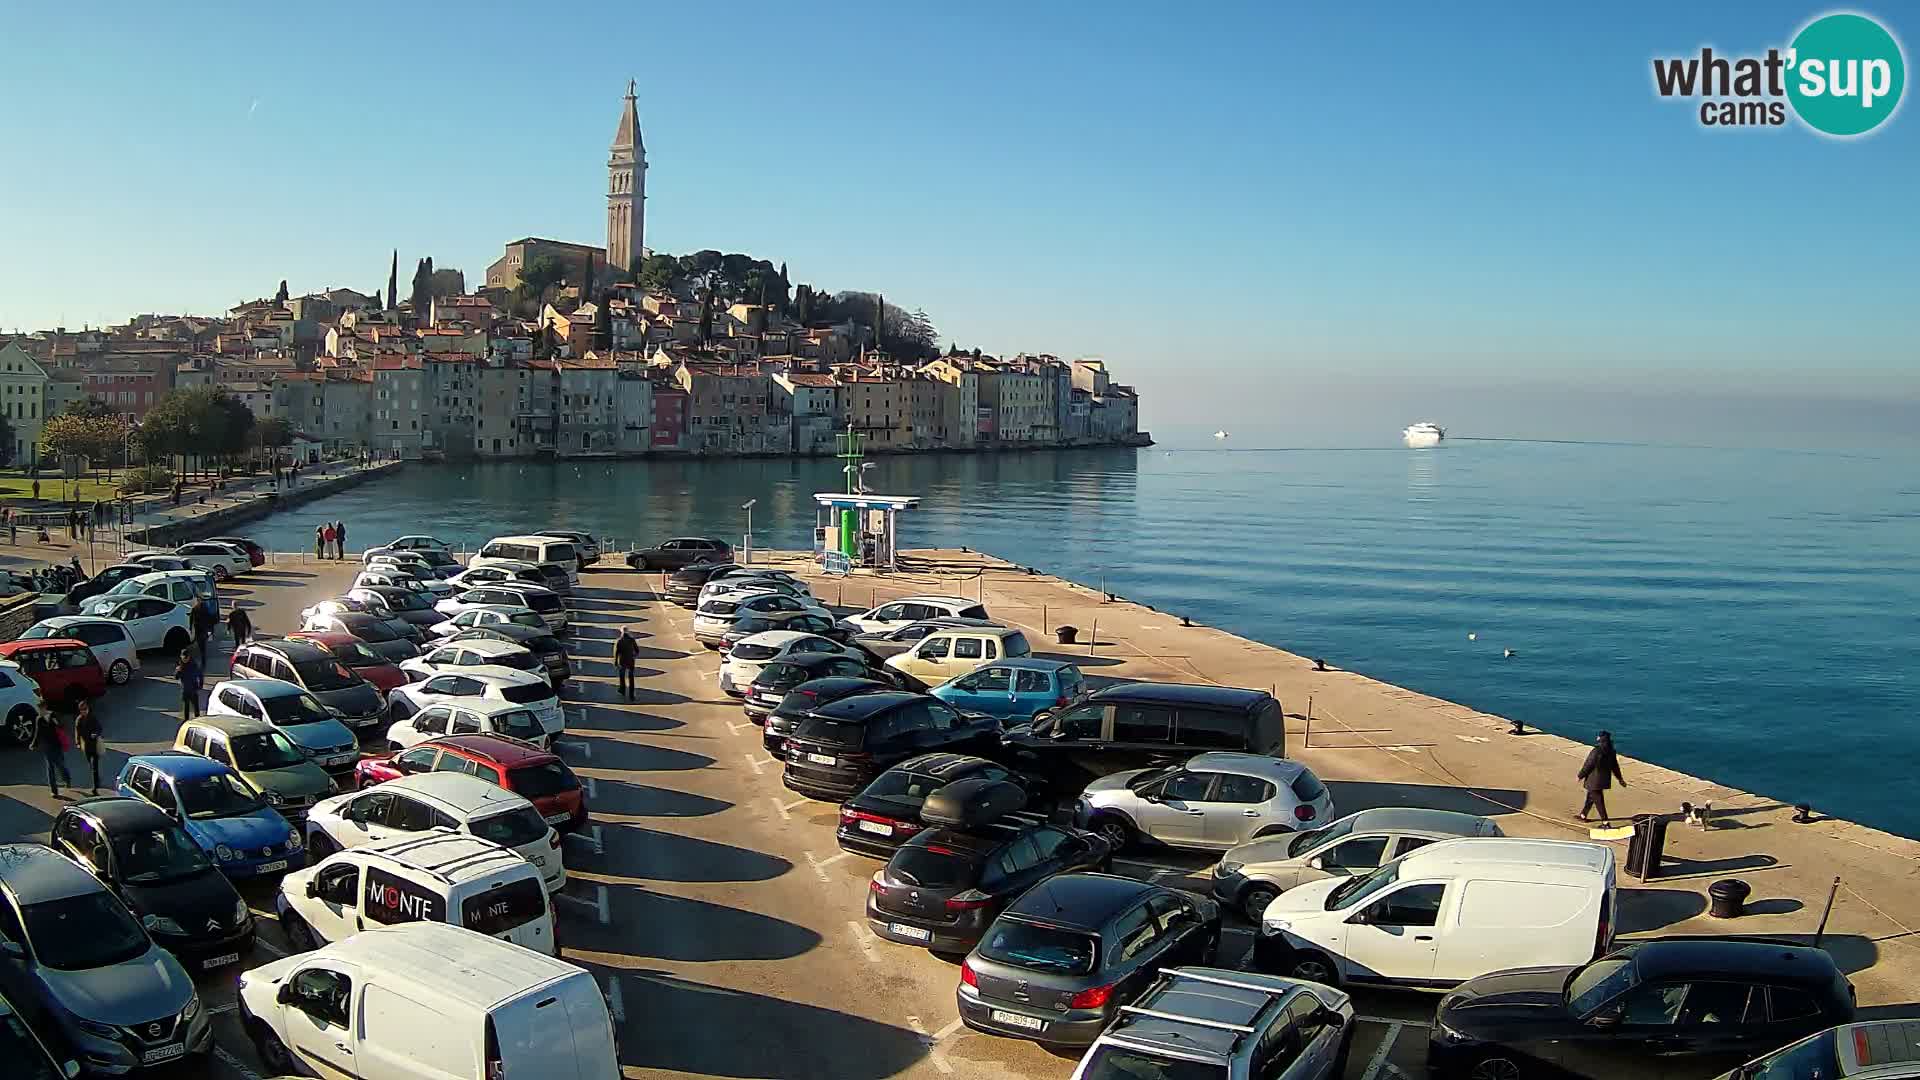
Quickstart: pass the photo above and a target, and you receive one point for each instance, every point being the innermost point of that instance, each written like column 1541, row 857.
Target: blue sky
column 1214, row 198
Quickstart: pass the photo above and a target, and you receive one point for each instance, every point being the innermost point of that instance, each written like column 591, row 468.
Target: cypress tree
column 393, row 283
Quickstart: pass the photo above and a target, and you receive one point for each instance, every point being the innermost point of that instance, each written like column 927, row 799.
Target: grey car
column 123, row 1002
column 885, row 643
column 1212, row 802
column 1227, row 1025
column 1249, row 876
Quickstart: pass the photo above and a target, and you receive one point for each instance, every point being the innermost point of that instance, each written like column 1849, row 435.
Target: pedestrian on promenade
column 326, row 534
column 340, row 537
column 625, row 652
column 240, row 625
column 50, row 738
column 86, row 725
column 79, row 575
column 319, row 541
column 188, row 672
column 13, row 525
column 1601, row 769
column 204, row 619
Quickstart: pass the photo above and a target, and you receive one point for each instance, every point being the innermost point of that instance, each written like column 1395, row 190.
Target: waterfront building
column 668, row 431
column 816, row 404
column 1018, row 400
column 634, row 408
column 959, row 421
column 23, row 394
column 398, row 385
column 65, row 388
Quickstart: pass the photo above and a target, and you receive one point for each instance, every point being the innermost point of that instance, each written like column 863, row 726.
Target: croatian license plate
column 270, row 867
column 222, row 960
column 876, row 828
column 914, row 932
column 164, row 1053
column 822, row 759
column 1019, row 1020
column 555, row 819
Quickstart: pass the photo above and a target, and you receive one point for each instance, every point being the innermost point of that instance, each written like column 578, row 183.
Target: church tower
column 627, row 189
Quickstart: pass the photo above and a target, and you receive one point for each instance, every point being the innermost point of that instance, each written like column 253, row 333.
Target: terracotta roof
column 808, row 378
column 396, row 362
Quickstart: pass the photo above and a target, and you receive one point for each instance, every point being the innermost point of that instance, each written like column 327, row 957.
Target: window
column 1169, row 912
column 409, row 815
column 1410, row 843
column 338, row 884
column 1216, row 730
column 1142, row 723
column 1723, row 1004
column 431, row 721
column 217, row 750
column 1188, row 787
column 1051, row 843
column 1791, row 1004
column 934, row 648
column 1031, row 682
column 196, row 740
column 322, row 995
column 1020, row 856
column 1235, row 788
column 1307, row 787
column 1415, row 905
column 1362, row 853
column 373, row 807
column 1655, row 1005
column 967, row 648
column 414, row 761
column 1134, row 932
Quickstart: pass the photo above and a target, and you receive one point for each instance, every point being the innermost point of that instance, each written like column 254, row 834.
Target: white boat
column 1221, row 434
column 1423, row 434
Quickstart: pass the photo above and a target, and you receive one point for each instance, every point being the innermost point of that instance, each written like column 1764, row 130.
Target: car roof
column 492, row 646
column 495, row 675
column 1210, row 997
column 814, row 660
column 508, row 752
column 1080, row 901
column 1028, row 663
column 1281, row 770
column 35, row 873
column 942, row 763
column 864, row 706
column 180, row 765
column 776, row 637
column 485, row 706
column 834, row 684
column 58, row 621
column 1183, row 694
column 295, row 651
column 453, row 857
column 526, row 537
column 1391, row 818
column 324, row 637
column 119, row 812
column 1561, row 861
column 922, row 598
column 33, row 644
column 456, row 790
column 232, row 725
column 464, row 965
column 1752, row 957
column 167, row 575
column 1001, row 632
column 268, row 688
column 701, row 539
column 1878, row 1048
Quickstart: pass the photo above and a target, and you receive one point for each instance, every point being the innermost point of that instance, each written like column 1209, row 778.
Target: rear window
column 719, row 607
column 371, row 630
column 902, row 786
column 781, row 675
column 837, row 733
column 560, row 552
column 525, row 661
column 520, row 724
column 1016, row 644
column 325, row 675
column 931, row 866
column 515, row 828
column 499, row 910
column 391, row 900
column 295, row 709
column 748, row 651
column 1119, row 1063
column 1308, row 786
column 542, row 780
column 545, row 643
column 522, row 695
column 1040, row 948
column 542, row 601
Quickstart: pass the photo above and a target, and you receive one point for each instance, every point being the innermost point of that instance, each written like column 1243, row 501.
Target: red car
column 356, row 657
column 522, row 768
column 65, row 669
column 256, row 554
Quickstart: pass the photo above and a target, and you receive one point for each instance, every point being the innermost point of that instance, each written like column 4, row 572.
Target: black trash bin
column 1066, row 634
column 1729, row 898
column 1648, row 843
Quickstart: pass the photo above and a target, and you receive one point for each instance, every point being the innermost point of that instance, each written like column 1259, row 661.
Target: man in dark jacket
column 203, row 620
column 1597, row 774
column 625, row 652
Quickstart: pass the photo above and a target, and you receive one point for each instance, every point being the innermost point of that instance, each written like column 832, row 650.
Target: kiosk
column 858, row 530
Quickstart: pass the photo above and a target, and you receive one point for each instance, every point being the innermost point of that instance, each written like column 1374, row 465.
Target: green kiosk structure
column 857, row 528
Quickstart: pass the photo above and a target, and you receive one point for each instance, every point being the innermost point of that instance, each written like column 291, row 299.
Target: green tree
column 802, row 304
column 273, row 433
column 422, row 287
column 659, row 273
column 536, row 278
column 393, row 282
column 6, row 440
column 90, row 406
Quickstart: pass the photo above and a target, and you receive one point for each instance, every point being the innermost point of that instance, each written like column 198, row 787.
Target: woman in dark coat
column 1601, row 769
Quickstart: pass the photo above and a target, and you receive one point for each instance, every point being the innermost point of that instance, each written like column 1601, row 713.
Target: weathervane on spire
column 629, row 87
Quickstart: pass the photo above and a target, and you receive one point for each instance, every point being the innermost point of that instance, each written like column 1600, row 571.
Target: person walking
column 50, row 738
column 86, row 725
column 203, row 617
column 319, row 541
column 240, row 625
column 1597, row 774
column 188, row 672
column 326, row 533
column 13, row 526
column 340, row 537
column 625, row 652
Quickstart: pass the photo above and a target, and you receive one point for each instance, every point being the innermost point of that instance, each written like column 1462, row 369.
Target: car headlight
column 1274, row 927
column 97, row 1030
column 1227, row 869
column 1444, row 1034
column 192, row 1011
column 294, row 843
column 223, row 853
column 160, row 924
column 241, row 913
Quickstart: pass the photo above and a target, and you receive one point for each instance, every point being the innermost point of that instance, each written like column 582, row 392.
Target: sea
column 1747, row 615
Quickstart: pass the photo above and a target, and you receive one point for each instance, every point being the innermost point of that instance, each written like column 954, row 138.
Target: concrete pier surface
column 727, row 928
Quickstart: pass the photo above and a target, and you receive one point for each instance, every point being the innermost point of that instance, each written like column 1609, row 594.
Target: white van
column 530, row 549
column 427, row 1001
column 1446, row 913
column 436, row 876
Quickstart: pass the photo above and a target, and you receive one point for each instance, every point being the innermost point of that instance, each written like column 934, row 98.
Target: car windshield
column 264, row 750
column 545, row 643
column 515, row 828
column 1355, row 890
column 526, row 694
column 1301, row 843
column 407, row 601
column 719, row 607
column 780, row 676
column 743, row 627
column 436, row 557
column 37, row 631
column 747, row 650
column 541, row 601
column 325, row 675
column 154, row 855
column 1153, row 776
column 216, row 796
column 372, row 630
column 542, row 780
column 1598, row 983
column 845, row 734
column 295, row 709
column 520, row 724
column 1040, row 948
column 354, row 654
column 1120, row 1063
column 81, row 933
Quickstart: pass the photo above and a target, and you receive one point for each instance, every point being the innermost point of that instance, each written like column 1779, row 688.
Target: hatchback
column 769, row 688
column 454, row 656
column 955, row 651
column 438, row 800
column 109, row 639
column 102, row 581
column 716, row 615
column 296, row 714
column 498, row 574
column 537, row 775
column 313, row 669
column 886, row 813
column 256, row 555
column 1250, row 875
column 1015, row 690
column 683, row 585
column 1869, row 1050
column 406, row 605
column 264, row 757
column 807, row 697
column 383, row 636
column 1066, row 958
column 749, row 655
column 357, row 656
column 470, row 716
column 1211, row 1024
column 840, row 747
column 65, row 669
column 748, row 623
column 488, row 616
column 224, row 814
column 1212, row 802
column 911, row 609
column 151, row 621
column 469, row 686
column 223, row 561
column 885, row 643
column 535, row 639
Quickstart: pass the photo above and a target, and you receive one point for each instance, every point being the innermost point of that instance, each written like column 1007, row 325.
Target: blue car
column 1015, row 690
column 222, row 812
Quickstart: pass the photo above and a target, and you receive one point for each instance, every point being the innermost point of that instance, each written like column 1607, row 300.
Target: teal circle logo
column 1846, row 76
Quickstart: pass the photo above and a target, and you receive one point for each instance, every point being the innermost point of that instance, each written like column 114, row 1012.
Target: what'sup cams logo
column 1842, row 76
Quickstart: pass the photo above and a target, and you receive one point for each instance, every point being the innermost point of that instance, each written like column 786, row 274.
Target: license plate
column 876, row 828
column 1019, row 1020
column 539, row 860
column 914, row 932
column 822, row 759
column 270, row 867
column 223, row 960
column 555, row 819
column 164, row 1053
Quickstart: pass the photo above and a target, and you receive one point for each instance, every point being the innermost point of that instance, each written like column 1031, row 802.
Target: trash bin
column 1729, row 898
column 1066, row 634
column 1649, row 841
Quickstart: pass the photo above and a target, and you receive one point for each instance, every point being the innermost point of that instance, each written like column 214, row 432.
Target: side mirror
column 1330, row 1018
column 1318, row 862
column 313, row 889
column 285, row 995
column 1609, row 1019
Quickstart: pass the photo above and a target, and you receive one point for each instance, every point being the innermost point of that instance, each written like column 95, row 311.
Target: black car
column 839, row 748
column 538, row 641
column 312, row 668
column 101, row 582
column 1137, row 725
column 156, row 869
column 383, row 636
column 1060, row 963
column 680, row 551
column 683, row 585
column 770, row 687
column 1674, row 1007
column 407, row 605
column 807, row 697
column 944, row 887
column 887, row 812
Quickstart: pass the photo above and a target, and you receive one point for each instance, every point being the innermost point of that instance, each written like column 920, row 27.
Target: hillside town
column 574, row 350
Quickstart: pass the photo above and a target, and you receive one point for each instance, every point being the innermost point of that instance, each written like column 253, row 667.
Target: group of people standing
column 330, row 540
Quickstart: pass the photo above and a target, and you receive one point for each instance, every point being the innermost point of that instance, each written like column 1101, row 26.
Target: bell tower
column 627, row 189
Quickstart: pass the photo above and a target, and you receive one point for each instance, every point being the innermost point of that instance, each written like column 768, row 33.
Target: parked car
column 256, row 555
column 748, row 623
column 537, row 640
column 1015, row 690
column 895, row 614
column 435, row 876
column 449, row 1002
column 1212, row 802
column 223, row 561
column 119, row 999
column 735, row 585
column 149, row 862
column 470, row 716
column 32, row 1053
column 313, row 669
column 1447, row 913
column 20, row 699
column 1065, row 958
column 356, row 656
column 1138, row 725
column 394, row 577
column 886, row 813
column 342, row 605
column 530, row 549
column 488, row 616
column 497, row 573
column 586, row 548
column 540, row 599
column 683, row 585
column 840, row 747
column 384, row 637
column 749, row 655
column 102, row 580
column 537, row 775
column 769, row 688
column 410, row 563
column 152, row 622
column 229, row 818
column 885, row 643
column 469, row 687
column 715, row 617
column 64, row 668
column 182, row 586
column 296, row 714
column 1250, row 875
column 263, row 756
column 416, row 542
column 955, row 651
column 438, row 561
column 1667, row 1008
column 805, row 698
column 679, row 552
column 411, row 805
column 407, row 605
column 1869, row 1050
column 109, row 640
column 454, row 656
column 1231, row 1025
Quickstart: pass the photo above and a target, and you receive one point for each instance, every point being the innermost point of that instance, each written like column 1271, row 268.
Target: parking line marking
column 820, row 865
column 933, row 1047
column 587, row 782
column 598, row 903
column 614, row 1003
column 1421, row 1024
column 263, row 943
column 217, row 1010
column 863, row 937
column 755, row 762
column 598, row 846
column 234, row 1063
column 784, row 816
column 734, row 729
column 797, row 803
column 952, row 1026
column 605, row 917
column 1380, row 1055
column 585, row 749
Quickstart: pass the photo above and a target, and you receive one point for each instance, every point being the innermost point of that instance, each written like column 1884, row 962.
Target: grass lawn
column 53, row 488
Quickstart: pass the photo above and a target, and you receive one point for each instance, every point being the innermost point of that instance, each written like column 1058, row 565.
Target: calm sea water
column 1745, row 615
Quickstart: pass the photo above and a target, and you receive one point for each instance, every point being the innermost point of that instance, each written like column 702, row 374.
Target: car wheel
column 1254, row 901
column 1115, row 830
column 220, row 573
column 273, row 1053
column 120, row 672
column 20, row 725
column 176, row 640
column 1495, row 1067
column 300, row 935
column 1314, row 967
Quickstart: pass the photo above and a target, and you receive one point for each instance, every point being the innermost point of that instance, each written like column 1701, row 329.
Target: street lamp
column 748, row 545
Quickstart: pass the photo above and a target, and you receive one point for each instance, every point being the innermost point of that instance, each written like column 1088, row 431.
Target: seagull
column 1508, row 654
column 1221, row 434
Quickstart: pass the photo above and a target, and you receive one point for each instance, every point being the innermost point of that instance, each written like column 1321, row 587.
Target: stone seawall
column 183, row 529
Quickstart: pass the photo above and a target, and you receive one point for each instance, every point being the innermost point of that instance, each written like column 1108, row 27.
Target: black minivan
column 839, row 748
column 1137, row 725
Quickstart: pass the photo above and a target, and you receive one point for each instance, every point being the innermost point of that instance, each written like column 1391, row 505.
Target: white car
column 912, row 609
column 183, row 586
column 222, row 560
column 482, row 652
column 544, row 601
column 488, row 616
column 522, row 688
column 153, row 623
column 497, row 574
column 715, row 616
column 446, row 800
column 110, row 640
column 342, row 605
column 757, row 583
column 405, row 561
column 470, row 716
column 414, row 542
column 402, row 579
column 20, row 703
column 750, row 654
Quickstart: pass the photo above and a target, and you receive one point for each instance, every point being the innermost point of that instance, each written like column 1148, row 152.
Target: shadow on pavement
column 645, row 800
column 1646, row 910
column 604, row 719
column 634, row 757
column 665, row 856
column 1354, row 795
column 661, row 927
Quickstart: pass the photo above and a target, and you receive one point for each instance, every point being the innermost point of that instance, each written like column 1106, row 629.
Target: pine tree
column 393, row 283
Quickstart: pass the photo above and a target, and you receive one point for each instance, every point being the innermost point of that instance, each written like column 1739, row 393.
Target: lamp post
column 747, row 546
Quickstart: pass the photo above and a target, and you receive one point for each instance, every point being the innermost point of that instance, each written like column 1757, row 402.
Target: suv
column 683, row 585
column 296, row 714
column 585, row 547
column 469, row 716
column 1137, row 725
column 1212, row 802
column 537, row 775
column 839, row 748
column 512, row 594
column 885, row 643
column 383, row 636
column 66, row 670
column 453, row 656
column 481, row 687
column 313, row 669
column 747, row 623
column 264, row 757
column 397, row 602
column 769, row 688
column 152, row 622
column 437, row 800
column 911, row 609
column 537, row 640
column 716, row 615
column 358, row 657
column 800, row 701
column 681, row 551
column 1233, row 1025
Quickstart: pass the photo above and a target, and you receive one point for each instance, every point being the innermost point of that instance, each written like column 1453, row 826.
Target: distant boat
column 1221, row 434
column 1423, row 435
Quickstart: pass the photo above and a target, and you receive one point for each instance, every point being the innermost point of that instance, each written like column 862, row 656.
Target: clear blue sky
column 1211, row 197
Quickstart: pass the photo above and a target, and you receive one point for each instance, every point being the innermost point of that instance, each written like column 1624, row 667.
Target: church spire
column 627, row 137
column 627, row 190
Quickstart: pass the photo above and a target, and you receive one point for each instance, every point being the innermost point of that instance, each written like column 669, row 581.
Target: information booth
column 858, row 530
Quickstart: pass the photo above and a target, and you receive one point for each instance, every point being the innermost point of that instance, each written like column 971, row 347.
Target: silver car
column 1248, row 877
column 1232, row 1025
column 1212, row 802
column 122, row 1001
column 715, row 615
